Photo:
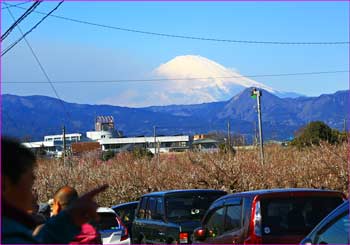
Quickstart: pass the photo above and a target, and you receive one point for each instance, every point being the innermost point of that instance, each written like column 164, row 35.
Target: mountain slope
column 202, row 80
column 36, row 116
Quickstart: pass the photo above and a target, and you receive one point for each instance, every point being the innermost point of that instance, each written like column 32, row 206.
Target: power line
column 192, row 37
column 193, row 78
column 35, row 26
column 41, row 66
column 19, row 20
column 15, row 5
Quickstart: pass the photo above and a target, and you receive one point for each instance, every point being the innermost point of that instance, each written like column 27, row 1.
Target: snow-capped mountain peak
column 198, row 75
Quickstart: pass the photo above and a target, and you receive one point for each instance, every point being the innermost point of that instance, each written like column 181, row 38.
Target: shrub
column 106, row 155
column 139, row 152
column 314, row 133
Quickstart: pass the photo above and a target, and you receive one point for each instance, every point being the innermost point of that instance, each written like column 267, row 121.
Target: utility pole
column 228, row 134
column 64, row 143
column 158, row 152
column 155, row 142
column 257, row 94
column 255, row 140
column 344, row 125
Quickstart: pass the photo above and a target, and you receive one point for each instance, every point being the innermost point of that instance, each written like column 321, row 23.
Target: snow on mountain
column 203, row 80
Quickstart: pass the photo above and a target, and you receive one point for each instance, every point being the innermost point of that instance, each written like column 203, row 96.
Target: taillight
column 183, row 237
column 255, row 233
column 125, row 232
column 257, row 219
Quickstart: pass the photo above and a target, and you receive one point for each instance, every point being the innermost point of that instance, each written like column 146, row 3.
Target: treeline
column 316, row 132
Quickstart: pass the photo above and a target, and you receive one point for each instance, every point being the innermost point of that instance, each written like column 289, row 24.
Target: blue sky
column 74, row 51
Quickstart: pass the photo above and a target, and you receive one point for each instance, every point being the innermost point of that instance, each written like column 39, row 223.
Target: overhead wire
column 42, row 68
column 15, row 5
column 25, row 34
column 193, row 37
column 181, row 78
column 20, row 19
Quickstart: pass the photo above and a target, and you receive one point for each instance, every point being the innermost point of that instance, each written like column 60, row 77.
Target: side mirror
column 199, row 234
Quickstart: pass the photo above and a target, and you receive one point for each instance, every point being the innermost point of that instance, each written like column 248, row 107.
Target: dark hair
column 16, row 159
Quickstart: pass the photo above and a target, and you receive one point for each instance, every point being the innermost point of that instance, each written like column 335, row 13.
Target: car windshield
column 190, row 207
column 297, row 215
column 107, row 221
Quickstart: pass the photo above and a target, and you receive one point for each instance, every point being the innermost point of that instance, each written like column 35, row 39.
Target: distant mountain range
column 32, row 117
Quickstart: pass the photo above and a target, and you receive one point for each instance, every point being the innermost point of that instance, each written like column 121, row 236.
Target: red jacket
column 88, row 235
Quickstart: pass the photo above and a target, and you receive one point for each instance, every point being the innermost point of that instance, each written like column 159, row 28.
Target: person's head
column 17, row 164
column 63, row 197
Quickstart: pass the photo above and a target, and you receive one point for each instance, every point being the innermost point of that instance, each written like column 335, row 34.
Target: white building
column 53, row 144
column 59, row 137
column 52, row 148
column 97, row 135
column 158, row 144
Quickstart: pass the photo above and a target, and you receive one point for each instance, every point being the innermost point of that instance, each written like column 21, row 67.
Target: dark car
column 126, row 212
column 266, row 216
column 334, row 229
column 171, row 216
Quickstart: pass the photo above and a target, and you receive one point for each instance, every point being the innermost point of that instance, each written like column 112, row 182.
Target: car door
column 155, row 223
column 150, row 227
column 233, row 225
column 160, row 227
column 214, row 223
column 139, row 226
column 225, row 224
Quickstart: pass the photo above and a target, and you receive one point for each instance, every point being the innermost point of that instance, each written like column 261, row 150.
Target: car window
column 297, row 215
column 142, row 209
column 336, row 233
column 233, row 218
column 189, row 207
column 160, row 206
column 126, row 213
column 151, row 207
column 106, row 221
column 215, row 222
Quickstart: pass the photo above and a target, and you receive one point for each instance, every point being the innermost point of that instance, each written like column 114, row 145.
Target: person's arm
column 63, row 227
column 59, row 229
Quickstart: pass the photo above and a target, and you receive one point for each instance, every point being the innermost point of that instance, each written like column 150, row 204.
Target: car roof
column 105, row 210
column 125, row 204
column 278, row 191
column 163, row 193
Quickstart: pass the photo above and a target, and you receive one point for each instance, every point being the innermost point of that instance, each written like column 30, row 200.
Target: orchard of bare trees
column 129, row 176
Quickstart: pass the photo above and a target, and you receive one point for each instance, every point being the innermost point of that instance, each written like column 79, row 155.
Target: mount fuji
column 202, row 80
